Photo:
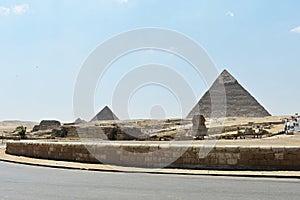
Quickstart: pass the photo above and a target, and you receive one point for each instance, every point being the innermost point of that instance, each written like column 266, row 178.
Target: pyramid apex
column 106, row 108
column 225, row 72
column 227, row 77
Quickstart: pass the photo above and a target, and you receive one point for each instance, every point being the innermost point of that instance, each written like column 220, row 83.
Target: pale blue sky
column 44, row 43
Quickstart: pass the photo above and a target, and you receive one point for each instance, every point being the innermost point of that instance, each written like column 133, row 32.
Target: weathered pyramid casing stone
column 238, row 102
column 105, row 114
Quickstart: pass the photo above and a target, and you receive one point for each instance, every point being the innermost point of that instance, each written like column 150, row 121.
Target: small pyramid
column 79, row 121
column 239, row 102
column 105, row 114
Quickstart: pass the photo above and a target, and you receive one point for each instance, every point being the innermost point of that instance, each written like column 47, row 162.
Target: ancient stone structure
column 237, row 101
column 110, row 132
column 79, row 121
column 65, row 131
column 105, row 114
column 125, row 130
column 46, row 125
column 149, row 155
column 199, row 128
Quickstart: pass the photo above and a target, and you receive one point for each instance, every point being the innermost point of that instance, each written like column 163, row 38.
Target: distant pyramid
column 105, row 114
column 239, row 102
column 79, row 121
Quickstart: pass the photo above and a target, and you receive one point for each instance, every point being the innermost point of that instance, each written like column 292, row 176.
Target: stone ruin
column 96, row 132
column 238, row 102
column 142, row 130
column 46, row 125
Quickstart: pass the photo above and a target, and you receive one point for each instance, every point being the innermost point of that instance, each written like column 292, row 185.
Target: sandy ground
column 6, row 127
column 10, row 126
column 241, row 120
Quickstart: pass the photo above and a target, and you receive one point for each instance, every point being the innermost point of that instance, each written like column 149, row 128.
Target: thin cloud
column 123, row 1
column 20, row 9
column 296, row 30
column 4, row 11
column 16, row 10
column 230, row 14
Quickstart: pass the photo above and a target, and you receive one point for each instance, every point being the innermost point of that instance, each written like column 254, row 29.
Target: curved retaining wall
column 162, row 154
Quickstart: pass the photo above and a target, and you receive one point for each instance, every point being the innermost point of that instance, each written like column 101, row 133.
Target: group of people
column 292, row 125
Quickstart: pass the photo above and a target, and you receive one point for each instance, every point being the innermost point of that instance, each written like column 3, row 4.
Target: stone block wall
column 162, row 154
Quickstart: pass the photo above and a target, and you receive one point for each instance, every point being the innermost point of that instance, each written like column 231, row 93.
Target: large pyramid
column 105, row 114
column 237, row 101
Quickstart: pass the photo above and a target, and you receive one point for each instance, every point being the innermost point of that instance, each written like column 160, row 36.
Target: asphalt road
column 29, row 182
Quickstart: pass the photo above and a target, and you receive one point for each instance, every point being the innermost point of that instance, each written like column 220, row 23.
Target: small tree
column 21, row 130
